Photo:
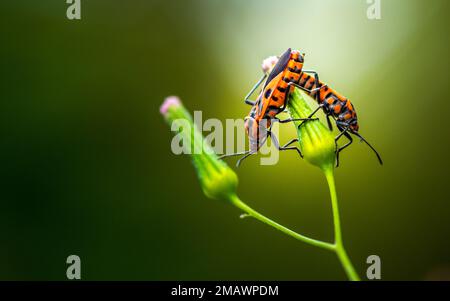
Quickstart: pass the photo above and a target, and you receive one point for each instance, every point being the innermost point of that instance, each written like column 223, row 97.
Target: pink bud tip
column 168, row 102
column 268, row 63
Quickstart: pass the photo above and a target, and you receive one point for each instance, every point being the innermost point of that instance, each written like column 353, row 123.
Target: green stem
column 244, row 207
column 339, row 246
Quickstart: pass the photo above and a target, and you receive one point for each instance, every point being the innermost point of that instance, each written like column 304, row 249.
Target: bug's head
column 256, row 132
column 354, row 127
column 296, row 54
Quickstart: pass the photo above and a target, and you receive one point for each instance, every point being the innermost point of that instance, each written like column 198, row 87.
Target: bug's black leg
column 293, row 119
column 342, row 131
column 290, row 142
column 329, row 109
column 339, row 149
column 287, row 97
column 350, row 141
column 235, row 154
column 308, row 91
column 288, row 91
column 275, row 141
column 238, row 163
column 297, row 86
column 252, row 102
column 286, row 146
column 316, row 76
column 311, row 115
column 246, row 154
column 347, row 135
column 330, row 126
column 316, row 81
column 316, row 84
column 297, row 119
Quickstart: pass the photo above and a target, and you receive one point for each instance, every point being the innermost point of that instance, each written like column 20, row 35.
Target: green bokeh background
column 86, row 166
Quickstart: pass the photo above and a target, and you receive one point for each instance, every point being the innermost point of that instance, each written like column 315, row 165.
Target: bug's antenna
column 374, row 150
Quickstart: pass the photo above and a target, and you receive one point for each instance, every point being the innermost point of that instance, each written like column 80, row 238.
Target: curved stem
column 244, row 207
column 339, row 246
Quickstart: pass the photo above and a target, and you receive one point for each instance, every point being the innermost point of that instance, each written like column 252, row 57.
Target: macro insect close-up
column 225, row 147
column 286, row 74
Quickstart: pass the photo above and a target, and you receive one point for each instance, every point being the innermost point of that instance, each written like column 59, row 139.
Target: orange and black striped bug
column 286, row 74
column 334, row 105
column 271, row 101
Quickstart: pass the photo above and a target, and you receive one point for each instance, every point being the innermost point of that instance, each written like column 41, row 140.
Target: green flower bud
column 316, row 140
column 217, row 179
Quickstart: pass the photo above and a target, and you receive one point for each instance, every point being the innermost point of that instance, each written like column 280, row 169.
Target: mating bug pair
column 286, row 75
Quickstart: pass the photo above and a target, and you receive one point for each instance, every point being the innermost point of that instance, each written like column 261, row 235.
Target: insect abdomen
column 291, row 74
column 337, row 105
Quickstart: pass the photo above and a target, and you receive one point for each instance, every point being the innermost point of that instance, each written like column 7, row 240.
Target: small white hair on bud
column 268, row 63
